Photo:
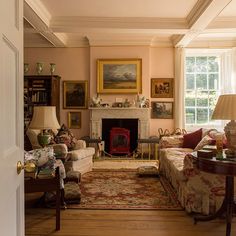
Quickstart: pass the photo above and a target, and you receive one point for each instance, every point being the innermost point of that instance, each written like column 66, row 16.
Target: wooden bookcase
column 40, row 90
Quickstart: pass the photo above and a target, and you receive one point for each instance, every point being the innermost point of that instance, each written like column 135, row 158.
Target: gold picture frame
column 75, row 94
column 120, row 76
column 162, row 88
column 74, row 120
column 162, row 110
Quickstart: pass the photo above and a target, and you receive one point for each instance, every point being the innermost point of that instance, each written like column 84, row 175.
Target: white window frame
column 198, row 53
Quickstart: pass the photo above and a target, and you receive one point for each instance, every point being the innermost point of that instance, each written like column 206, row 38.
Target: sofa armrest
column 79, row 144
column 174, row 141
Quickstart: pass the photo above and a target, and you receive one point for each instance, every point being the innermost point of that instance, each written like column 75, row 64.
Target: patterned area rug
column 125, row 190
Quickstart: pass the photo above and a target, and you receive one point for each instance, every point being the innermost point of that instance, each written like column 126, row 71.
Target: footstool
column 148, row 171
column 72, row 193
column 73, row 176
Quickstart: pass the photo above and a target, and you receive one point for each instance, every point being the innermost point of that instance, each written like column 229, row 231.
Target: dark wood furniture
column 41, row 90
column 46, row 185
column 225, row 167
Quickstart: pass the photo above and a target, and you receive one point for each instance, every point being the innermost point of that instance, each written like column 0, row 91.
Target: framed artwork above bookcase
column 40, row 90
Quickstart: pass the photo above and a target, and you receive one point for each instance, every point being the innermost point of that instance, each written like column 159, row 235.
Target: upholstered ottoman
column 147, row 171
column 72, row 192
column 73, row 176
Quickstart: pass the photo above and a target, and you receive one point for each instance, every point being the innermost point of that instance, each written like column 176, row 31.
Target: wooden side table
column 225, row 167
column 46, row 185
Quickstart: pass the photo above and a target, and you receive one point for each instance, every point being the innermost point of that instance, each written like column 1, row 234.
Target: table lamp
column 44, row 118
column 226, row 110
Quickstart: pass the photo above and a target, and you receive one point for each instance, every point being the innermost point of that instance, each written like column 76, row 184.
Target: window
column 202, row 88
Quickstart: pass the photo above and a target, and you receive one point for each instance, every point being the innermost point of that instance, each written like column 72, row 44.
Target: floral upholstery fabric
column 197, row 191
column 44, row 159
column 171, row 141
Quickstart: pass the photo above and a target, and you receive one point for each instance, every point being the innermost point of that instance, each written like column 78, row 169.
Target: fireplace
column 139, row 125
column 125, row 128
column 119, row 141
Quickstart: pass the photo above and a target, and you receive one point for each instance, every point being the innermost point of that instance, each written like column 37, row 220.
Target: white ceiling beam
column 204, row 12
column 39, row 19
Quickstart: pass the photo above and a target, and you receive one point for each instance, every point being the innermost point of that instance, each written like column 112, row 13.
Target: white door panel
column 11, row 118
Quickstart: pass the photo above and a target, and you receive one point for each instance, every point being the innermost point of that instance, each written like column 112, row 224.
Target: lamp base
column 44, row 139
column 230, row 132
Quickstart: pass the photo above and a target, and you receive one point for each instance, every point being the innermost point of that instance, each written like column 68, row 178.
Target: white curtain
column 228, row 72
column 179, row 113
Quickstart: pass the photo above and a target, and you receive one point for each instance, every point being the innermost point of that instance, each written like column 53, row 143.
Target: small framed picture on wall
column 75, row 94
column 74, row 120
column 162, row 110
column 162, row 88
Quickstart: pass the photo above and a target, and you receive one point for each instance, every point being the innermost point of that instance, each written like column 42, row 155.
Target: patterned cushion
column 65, row 136
column 206, row 140
column 147, row 170
column 191, row 140
column 72, row 192
column 41, row 157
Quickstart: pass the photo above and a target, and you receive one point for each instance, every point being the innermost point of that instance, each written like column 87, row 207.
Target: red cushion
column 192, row 139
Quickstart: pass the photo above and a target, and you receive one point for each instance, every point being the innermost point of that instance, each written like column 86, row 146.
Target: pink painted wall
column 161, row 66
column 80, row 64
column 71, row 64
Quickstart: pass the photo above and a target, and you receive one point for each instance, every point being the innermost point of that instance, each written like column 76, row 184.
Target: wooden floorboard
column 76, row 222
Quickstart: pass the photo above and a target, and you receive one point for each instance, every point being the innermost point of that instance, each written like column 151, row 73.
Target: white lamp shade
column 44, row 117
column 225, row 108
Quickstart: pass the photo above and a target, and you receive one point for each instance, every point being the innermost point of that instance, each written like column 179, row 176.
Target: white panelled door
column 11, row 118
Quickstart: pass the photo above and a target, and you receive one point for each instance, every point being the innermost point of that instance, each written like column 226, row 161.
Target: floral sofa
column 197, row 191
column 78, row 157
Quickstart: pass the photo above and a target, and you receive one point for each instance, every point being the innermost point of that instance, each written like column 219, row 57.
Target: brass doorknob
column 28, row 167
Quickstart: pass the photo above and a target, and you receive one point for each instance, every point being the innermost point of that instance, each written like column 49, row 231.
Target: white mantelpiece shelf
column 99, row 113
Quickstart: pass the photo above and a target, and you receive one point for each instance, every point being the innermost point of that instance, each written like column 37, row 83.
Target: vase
column 52, row 68
column 39, row 68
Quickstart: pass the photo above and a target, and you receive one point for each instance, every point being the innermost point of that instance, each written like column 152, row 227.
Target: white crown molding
column 40, row 10
column 212, row 44
column 74, row 23
column 223, row 23
column 41, row 27
column 199, row 18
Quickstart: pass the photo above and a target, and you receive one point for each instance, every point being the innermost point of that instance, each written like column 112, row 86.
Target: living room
column 165, row 36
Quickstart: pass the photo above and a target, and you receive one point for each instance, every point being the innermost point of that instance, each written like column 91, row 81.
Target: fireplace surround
column 98, row 114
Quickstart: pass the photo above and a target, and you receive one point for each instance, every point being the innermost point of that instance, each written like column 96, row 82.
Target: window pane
column 190, row 116
column 202, row 115
column 201, row 64
column 213, row 96
column 190, row 99
column 213, row 81
column 202, row 98
column 190, row 81
column 190, row 64
column 213, row 64
column 201, row 81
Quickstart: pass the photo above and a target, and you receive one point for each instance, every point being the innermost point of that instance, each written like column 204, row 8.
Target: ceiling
column 162, row 23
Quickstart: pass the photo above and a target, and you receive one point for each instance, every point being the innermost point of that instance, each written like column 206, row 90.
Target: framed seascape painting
column 162, row 88
column 119, row 76
column 162, row 110
column 75, row 94
column 74, row 120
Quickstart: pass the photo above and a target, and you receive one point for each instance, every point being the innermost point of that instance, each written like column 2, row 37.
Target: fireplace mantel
column 97, row 114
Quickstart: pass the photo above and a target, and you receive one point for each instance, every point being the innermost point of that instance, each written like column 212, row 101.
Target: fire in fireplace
column 119, row 141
